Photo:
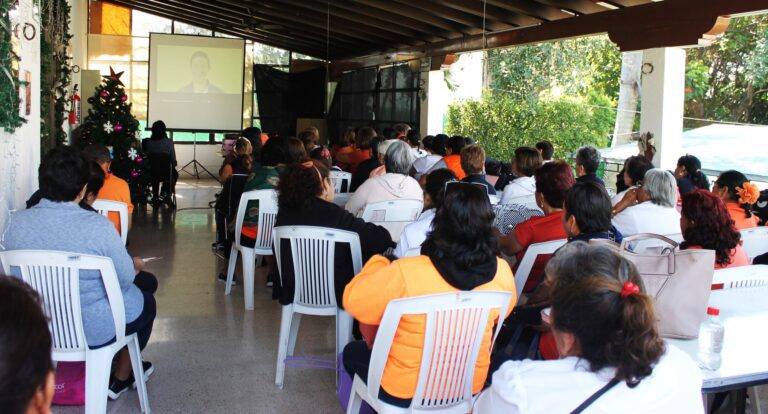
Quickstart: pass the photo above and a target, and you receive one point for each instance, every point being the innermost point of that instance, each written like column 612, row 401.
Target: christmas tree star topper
column 114, row 76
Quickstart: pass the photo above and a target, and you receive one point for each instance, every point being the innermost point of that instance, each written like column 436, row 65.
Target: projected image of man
column 200, row 67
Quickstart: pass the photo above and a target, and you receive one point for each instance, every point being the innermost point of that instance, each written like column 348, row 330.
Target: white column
column 663, row 97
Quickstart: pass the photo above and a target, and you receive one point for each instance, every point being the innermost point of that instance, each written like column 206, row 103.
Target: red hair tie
column 629, row 288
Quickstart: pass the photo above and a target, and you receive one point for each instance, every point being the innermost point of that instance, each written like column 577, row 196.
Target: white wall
column 466, row 74
column 20, row 151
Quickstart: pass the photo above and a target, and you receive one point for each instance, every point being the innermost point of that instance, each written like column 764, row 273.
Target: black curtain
column 283, row 97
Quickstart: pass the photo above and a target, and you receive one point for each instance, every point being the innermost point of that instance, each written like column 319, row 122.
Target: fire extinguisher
column 74, row 107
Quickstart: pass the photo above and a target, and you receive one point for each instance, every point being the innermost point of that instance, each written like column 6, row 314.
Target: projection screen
column 196, row 82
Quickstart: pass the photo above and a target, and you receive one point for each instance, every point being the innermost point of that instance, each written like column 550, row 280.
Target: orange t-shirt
column 353, row 158
column 538, row 230
column 739, row 216
column 367, row 295
column 454, row 164
column 116, row 189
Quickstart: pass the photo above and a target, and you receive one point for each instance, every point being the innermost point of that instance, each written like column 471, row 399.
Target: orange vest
column 454, row 164
column 740, row 216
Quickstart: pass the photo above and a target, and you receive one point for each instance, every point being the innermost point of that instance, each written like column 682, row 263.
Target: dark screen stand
column 196, row 165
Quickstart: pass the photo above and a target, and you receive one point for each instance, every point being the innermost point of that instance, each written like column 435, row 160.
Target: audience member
column 739, row 195
column 388, row 133
column 296, row 150
column 453, row 156
column 381, row 150
column 689, row 176
column 613, row 358
column 365, row 168
column 114, row 188
column 587, row 162
column 322, row 153
column 459, row 254
column 706, row 224
column 309, row 138
column 253, row 135
column 233, row 177
column 634, row 171
column 305, row 195
column 26, row 369
column 159, row 143
column 587, row 214
column 347, row 144
column 546, row 149
column 92, row 188
column 527, row 160
column 395, row 184
column 57, row 223
column 473, row 164
column 435, row 146
column 414, row 141
column 362, row 152
column 553, row 180
column 401, row 131
column 242, row 162
column 415, row 233
column 649, row 208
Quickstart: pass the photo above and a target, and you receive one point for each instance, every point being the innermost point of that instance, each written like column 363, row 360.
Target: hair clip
column 748, row 193
column 307, row 164
column 629, row 288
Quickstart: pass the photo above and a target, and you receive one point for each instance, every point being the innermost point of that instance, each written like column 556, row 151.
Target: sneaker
column 223, row 278
column 118, row 387
column 148, row 370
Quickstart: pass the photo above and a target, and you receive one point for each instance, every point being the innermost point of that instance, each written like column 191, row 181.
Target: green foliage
column 109, row 106
column 54, row 70
column 10, row 119
column 501, row 122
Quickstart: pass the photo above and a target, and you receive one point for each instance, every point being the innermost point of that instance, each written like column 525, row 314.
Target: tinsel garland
column 55, row 71
column 10, row 118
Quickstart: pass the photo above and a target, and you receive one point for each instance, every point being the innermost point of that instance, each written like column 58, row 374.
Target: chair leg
column 282, row 345
column 231, row 269
column 138, row 374
column 754, row 400
column 355, row 402
column 295, row 322
column 97, row 367
column 344, row 323
column 249, row 268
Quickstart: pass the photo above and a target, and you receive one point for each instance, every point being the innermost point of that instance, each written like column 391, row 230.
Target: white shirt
column 555, row 387
column 618, row 197
column 519, row 187
column 425, row 164
column 415, row 233
column 647, row 217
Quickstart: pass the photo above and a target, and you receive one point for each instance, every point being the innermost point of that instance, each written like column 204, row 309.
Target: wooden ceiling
column 349, row 29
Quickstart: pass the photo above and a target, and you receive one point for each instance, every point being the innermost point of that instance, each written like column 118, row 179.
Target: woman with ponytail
column 689, row 176
column 242, row 162
column 739, row 194
column 612, row 357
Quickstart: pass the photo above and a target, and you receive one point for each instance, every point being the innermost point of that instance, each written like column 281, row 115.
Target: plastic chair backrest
column 267, row 213
column 313, row 252
column 755, row 241
column 400, row 210
column 55, row 276
column 104, row 207
column 455, row 324
column 527, row 201
column 339, row 178
column 740, row 277
column 414, row 251
column 494, row 199
column 526, row 264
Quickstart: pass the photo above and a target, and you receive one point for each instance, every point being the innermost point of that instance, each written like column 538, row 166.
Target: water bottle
column 711, row 341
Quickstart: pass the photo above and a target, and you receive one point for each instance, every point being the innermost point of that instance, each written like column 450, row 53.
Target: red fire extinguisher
column 74, row 107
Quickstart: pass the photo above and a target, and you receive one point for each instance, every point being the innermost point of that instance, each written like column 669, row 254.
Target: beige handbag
column 679, row 281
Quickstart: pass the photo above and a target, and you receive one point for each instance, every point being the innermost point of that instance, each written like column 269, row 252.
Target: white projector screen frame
column 174, row 96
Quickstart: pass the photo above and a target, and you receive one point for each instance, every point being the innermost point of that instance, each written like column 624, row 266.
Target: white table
column 744, row 312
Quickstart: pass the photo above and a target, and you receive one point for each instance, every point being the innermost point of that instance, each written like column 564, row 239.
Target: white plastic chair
column 755, row 241
column 494, row 199
column 313, row 253
column 526, row 264
column 267, row 213
column 741, row 277
column 104, row 207
column 393, row 215
column 455, row 324
column 340, row 199
column 56, row 277
column 338, row 178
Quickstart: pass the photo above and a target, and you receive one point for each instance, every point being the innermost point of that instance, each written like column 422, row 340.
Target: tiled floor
column 210, row 355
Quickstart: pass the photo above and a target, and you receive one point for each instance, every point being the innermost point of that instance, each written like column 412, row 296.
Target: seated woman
column 322, row 153
column 587, row 214
column 649, row 208
column 739, row 195
column 612, row 356
column 159, row 143
column 26, row 369
column 394, row 185
column 362, row 152
column 92, row 188
column 706, row 224
column 346, row 145
column 553, row 180
column 435, row 149
column 473, row 164
column 58, row 223
column 415, row 233
column 241, row 163
column 689, row 176
column 633, row 173
column 460, row 254
column 527, row 160
column 227, row 200
column 305, row 198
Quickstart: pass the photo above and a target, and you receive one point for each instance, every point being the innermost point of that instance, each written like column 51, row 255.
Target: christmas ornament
column 108, row 128
column 124, row 98
column 104, row 94
column 114, row 76
column 134, row 173
column 139, row 160
column 132, row 153
column 118, row 128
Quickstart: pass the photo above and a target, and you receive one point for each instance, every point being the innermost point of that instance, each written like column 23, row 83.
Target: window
column 183, row 28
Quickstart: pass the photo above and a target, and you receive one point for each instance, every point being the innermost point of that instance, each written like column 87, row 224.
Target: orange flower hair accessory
column 748, row 193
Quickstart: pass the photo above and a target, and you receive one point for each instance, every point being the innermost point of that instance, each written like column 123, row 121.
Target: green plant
column 10, row 119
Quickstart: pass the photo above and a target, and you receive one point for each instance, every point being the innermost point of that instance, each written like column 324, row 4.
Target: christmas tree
column 110, row 123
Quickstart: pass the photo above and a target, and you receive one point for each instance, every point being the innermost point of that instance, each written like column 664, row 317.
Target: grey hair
column 578, row 260
column 661, row 186
column 589, row 158
column 398, row 158
column 401, row 128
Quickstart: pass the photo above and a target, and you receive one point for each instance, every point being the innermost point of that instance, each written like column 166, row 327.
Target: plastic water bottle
column 711, row 335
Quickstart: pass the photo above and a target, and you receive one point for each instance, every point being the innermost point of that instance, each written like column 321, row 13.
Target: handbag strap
column 599, row 393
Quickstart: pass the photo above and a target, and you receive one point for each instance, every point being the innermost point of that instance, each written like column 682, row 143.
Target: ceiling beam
column 532, row 8
column 575, row 6
column 446, row 13
column 397, row 8
column 491, row 12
